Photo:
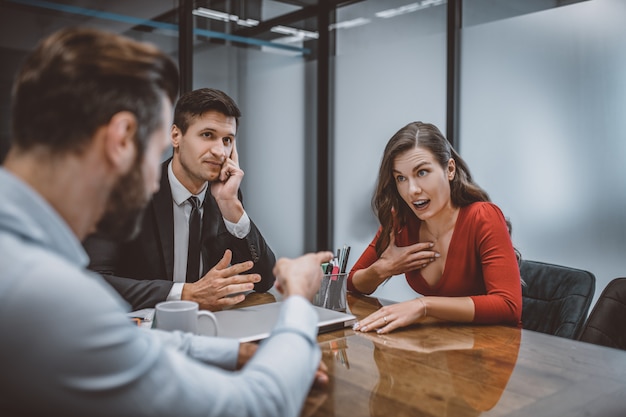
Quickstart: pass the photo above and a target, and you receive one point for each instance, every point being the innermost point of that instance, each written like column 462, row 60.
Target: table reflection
column 434, row 370
column 442, row 371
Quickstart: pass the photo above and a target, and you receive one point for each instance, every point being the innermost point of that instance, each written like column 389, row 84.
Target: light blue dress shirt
column 69, row 349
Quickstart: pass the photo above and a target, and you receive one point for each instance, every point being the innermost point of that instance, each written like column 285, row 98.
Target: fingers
column 234, row 155
column 220, row 303
column 230, row 168
column 226, row 171
column 225, row 261
column 310, row 262
column 418, row 256
column 239, row 268
column 237, row 285
column 323, row 256
column 225, row 283
column 321, row 376
column 223, row 266
column 380, row 321
column 421, row 263
column 246, row 351
column 302, row 275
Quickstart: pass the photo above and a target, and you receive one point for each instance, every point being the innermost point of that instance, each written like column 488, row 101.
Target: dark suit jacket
column 141, row 270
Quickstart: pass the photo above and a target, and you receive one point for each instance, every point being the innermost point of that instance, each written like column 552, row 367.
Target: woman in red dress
column 440, row 229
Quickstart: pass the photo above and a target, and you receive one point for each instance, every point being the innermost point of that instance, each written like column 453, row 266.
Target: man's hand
column 225, row 188
column 321, row 376
column 215, row 290
column 246, row 351
column 301, row 276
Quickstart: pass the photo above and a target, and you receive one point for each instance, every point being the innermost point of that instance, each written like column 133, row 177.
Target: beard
column 125, row 208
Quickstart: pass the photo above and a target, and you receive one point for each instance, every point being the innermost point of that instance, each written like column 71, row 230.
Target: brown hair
column 77, row 79
column 197, row 102
column 389, row 207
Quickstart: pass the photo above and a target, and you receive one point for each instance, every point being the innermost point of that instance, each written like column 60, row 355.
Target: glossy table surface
column 465, row 370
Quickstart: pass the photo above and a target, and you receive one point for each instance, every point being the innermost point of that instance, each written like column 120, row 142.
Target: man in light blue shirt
column 90, row 120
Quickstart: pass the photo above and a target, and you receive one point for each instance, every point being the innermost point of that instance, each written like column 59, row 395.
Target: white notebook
column 254, row 323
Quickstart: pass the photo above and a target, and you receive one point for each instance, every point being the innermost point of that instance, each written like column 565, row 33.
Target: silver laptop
column 248, row 324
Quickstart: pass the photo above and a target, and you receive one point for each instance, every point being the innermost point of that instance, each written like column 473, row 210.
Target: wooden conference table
column 465, row 370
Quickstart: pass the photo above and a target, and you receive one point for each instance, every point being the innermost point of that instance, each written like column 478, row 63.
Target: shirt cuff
column 176, row 292
column 239, row 229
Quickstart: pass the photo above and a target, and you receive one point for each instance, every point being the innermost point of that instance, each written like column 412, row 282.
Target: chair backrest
column 606, row 324
column 555, row 299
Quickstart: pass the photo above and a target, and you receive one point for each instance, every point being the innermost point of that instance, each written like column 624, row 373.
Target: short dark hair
column 197, row 102
column 77, row 79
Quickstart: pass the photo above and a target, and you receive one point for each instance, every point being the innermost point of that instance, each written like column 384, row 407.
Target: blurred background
column 532, row 93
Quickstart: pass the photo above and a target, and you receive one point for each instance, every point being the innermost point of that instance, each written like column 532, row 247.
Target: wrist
column 422, row 301
column 231, row 209
column 381, row 272
column 187, row 292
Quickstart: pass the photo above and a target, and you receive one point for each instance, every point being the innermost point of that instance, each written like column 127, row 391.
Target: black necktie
column 195, row 229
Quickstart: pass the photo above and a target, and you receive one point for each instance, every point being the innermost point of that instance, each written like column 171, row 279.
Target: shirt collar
column 180, row 193
column 26, row 213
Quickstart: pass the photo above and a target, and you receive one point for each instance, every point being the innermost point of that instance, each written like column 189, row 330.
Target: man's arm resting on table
column 140, row 293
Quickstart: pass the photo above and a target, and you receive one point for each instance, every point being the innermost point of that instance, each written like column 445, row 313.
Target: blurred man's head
column 78, row 81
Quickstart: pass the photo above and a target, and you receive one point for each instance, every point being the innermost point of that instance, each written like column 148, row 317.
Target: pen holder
column 332, row 292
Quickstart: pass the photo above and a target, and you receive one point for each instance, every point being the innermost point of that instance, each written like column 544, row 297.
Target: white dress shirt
column 182, row 210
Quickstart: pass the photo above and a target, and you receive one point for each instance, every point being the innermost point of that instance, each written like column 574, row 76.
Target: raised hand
column 396, row 260
column 302, row 275
column 222, row 286
column 226, row 187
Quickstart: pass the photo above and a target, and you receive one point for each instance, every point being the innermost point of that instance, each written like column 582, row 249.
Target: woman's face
column 422, row 183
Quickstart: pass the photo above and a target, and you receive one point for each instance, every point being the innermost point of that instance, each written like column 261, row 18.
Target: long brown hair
column 388, row 206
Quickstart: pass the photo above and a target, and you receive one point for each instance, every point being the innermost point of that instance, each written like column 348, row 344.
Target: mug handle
column 203, row 316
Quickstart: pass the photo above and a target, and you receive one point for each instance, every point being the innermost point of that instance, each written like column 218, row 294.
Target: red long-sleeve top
column 481, row 264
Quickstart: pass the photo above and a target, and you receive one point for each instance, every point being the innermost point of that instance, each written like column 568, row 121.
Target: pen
column 344, row 263
column 335, row 270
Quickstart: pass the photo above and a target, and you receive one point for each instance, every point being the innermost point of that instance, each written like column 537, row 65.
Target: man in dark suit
column 158, row 264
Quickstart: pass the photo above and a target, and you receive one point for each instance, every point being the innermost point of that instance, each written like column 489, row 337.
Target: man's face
column 133, row 191
column 202, row 150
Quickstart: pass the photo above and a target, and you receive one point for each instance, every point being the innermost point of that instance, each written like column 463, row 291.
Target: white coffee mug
column 185, row 316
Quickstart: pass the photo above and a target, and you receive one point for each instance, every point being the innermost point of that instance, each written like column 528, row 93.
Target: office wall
column 275, row 163
column 543, row 126
column 388, row 72
column 269, row 87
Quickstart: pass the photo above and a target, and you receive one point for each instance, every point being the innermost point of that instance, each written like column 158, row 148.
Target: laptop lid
column 253, row 323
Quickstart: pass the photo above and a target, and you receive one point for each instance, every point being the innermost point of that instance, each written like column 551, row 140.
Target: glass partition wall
column 543, row 106
column 541, row 89
column 390, row 70
column 267, row 64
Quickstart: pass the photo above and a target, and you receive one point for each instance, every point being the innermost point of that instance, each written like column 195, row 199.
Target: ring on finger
column 385, row 319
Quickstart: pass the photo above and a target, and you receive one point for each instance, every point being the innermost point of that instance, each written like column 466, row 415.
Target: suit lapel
column 162, row 205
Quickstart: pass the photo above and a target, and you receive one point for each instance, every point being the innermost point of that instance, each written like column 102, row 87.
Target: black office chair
column 606, row 324
column 555, row 299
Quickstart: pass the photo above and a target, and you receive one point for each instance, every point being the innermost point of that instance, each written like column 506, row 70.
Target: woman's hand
column 396, row 260
column 393, row 316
